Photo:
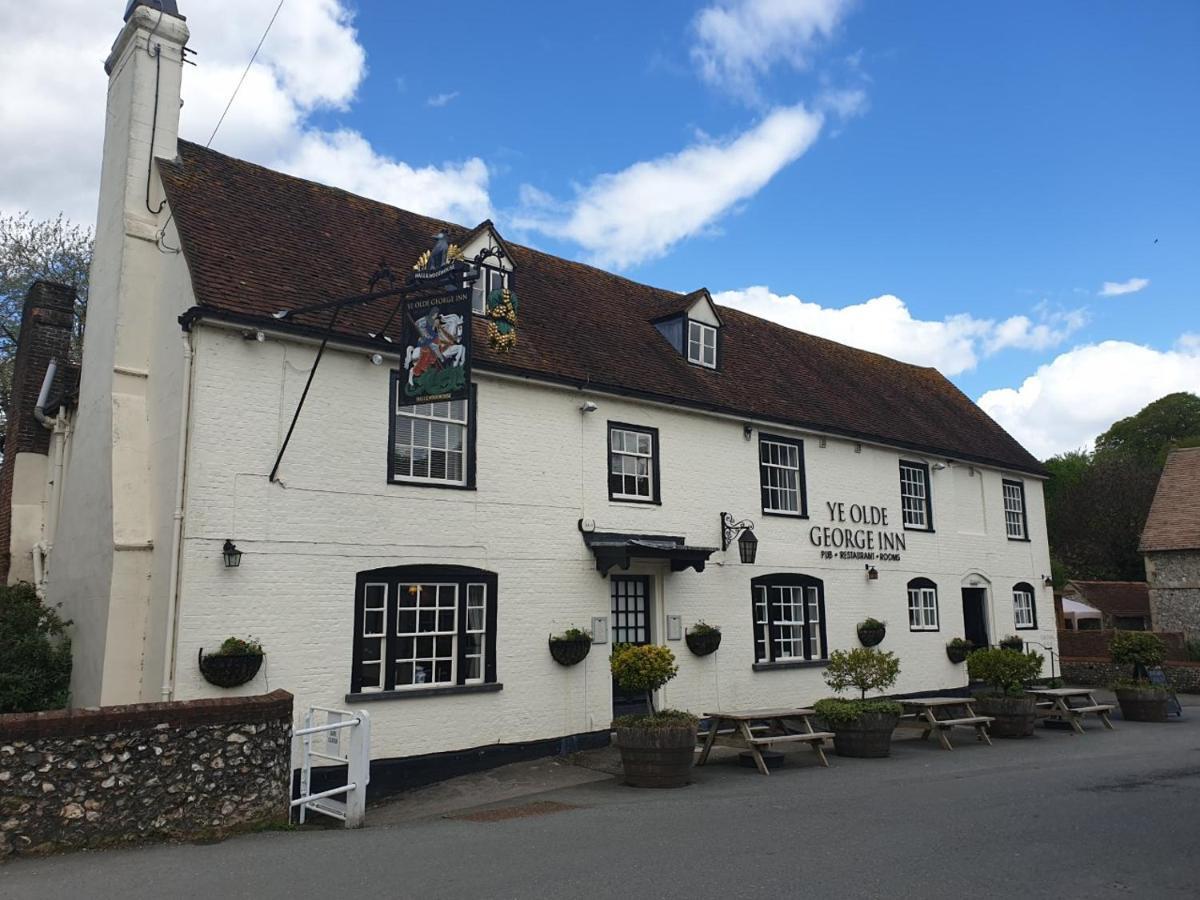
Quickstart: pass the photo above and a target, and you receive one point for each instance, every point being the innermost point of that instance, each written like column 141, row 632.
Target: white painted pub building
column 414, row 558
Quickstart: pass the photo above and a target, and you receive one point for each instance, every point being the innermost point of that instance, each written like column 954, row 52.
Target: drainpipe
column 185, row 409
column 41, row 550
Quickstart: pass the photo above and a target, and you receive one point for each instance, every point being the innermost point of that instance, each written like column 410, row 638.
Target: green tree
column 35, row 665
column 53, row 250
column 1150, row 433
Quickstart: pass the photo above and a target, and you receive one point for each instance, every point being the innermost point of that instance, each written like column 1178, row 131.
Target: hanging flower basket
column 958, row 650
column 702, row 643
column 229, row 670
column 871, row 633
column 570, row 651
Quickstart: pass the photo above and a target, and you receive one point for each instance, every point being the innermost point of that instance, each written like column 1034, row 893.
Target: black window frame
column 802, row 487
column 1025, row 587
column 393, row 577
column 924, row 467
column 791, row 580
column 1020, row 485
column 922, row 583
column 469, row 481
column 655, row 497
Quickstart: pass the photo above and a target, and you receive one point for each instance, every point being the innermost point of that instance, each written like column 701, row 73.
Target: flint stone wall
column 1101, row 672
column 153, row 771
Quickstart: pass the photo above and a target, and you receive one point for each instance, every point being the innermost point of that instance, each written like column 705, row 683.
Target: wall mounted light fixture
column 588, row 407
column 747, row 431
column 231, row 554
column 743, row 533
column 376, row 359
column 872, row 573
column 1047, row 581
column 254, row 336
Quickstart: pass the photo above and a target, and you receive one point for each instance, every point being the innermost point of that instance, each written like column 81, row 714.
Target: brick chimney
column 47, row 319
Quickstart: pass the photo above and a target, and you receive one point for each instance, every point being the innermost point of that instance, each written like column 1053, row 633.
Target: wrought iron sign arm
column 731, row 529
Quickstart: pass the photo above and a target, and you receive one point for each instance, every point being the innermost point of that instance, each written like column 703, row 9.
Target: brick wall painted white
column 541, row 467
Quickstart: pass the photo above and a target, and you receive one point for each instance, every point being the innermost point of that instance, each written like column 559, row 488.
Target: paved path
column 1110, row 814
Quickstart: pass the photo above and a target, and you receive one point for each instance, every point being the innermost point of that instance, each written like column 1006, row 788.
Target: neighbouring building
column 423, row 533
column 1171, row 545
column 1124, row 605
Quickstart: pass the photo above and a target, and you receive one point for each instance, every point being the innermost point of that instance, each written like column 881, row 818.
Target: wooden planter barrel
column 703, row 643
column 657, row 757
column 229, row 671
column 568, row 653
column 1142, row 704
column 867, row 737
column 1014, row 716
column 871, row 635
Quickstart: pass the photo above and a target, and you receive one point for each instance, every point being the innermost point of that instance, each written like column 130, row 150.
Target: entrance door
column 630, row 625
column 974, row 601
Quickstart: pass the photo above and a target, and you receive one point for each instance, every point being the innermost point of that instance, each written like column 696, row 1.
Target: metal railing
column 356, row 758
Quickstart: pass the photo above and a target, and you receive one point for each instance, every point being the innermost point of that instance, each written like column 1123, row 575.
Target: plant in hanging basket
column 871, row 631
column 703, row 639
column 959, row 649
column 570, row 647
column 1013, row 642
column 235, row 662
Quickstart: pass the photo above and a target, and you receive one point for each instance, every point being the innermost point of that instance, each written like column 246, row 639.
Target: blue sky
column 950, row 183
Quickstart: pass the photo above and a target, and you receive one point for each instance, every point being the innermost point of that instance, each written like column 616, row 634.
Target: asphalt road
column 1109, row 814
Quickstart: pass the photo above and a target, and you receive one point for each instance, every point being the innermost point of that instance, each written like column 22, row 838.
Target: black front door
column 975, row 628
column 630, row 625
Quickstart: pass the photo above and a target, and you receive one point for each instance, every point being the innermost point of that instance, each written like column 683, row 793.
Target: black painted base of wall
column 392, row 776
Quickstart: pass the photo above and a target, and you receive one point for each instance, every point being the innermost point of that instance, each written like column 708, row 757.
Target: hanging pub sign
column 436, row 331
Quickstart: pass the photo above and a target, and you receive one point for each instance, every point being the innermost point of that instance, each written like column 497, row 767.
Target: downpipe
column 185, row 410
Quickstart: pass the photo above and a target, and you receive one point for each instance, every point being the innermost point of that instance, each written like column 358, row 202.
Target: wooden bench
column 924, row 717
column 1056, row 703
column 739, row 729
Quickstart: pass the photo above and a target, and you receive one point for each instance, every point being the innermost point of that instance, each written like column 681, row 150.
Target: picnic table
column 753, row 729
column 923, row 714
column 1059, row 703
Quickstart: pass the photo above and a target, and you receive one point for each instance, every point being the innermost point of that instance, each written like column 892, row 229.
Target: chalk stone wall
column 71, row 779
column 1174, row 578
column 1101, row 672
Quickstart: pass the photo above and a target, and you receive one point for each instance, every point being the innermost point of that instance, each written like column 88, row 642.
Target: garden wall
column 1094, row 644
column 1102, row 671
column 153, row 771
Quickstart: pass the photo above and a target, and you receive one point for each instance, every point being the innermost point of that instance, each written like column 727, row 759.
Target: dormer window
column 490, row 279
column 702, row 344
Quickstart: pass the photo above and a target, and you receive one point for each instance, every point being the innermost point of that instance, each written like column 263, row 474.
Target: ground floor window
column 1024, row 613
column 424, row 626
column 789, row 618
column 922, row 605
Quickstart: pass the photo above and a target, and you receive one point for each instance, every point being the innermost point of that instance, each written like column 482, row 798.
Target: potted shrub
column 234, row 663
column 861, row 727
column 1140, row 700
column 871, row 631
column 656, row 749
column 1013, row 642
column 570, row 647
column 1006, row 672
column 703, row 639
column 959, row 649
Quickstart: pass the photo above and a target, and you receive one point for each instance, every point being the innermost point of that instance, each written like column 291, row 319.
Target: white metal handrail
column 357, row 761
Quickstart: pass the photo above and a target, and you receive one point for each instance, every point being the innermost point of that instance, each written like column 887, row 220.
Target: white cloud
column 311, row 61
column 439, row 100
column 1116, row 288
column 1067, row 402
column 638, row 213
column 886, row 325
column 738, row 41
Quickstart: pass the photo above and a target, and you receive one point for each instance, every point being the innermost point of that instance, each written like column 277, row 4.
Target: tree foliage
column 865, row 668
column 35, row 660
column 643, row 667
column 1005, row 671
column 1097, row 503
column 52, row 250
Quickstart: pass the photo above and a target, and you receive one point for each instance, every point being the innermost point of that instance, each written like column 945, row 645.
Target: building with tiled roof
column 1122, row 604
column 403, row 452
column 1171, row 544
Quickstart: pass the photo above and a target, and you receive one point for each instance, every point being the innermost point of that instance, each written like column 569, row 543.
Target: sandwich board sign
column 1159, row 677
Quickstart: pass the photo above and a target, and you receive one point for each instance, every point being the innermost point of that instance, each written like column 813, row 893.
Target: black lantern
column 231, row 554
column 743, row 532
column 872, row 573
column 748, row 546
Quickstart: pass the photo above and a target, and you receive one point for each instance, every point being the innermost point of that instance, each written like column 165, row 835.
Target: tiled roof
column 1116, row 598
column 257, row 241
column 1174, row 520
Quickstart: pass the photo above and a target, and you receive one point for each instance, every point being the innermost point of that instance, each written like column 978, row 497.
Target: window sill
column 785, row 515
column 371, row 696
column 791, row 664
column 1019, row 540
column 915, row 528
column 1025, row 628
column 432, row 484
column 640, row 501
column 924, row 630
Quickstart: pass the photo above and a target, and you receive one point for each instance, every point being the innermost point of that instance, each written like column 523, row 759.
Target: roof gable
column 257, row 241
column 1174, row 519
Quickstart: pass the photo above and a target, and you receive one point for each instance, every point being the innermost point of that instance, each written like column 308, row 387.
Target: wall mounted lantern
column 743, row 532
column 231, row 554
column 872, row 573
column 1047, row 581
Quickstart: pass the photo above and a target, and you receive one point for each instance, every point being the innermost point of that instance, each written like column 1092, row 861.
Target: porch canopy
column 612, row 549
